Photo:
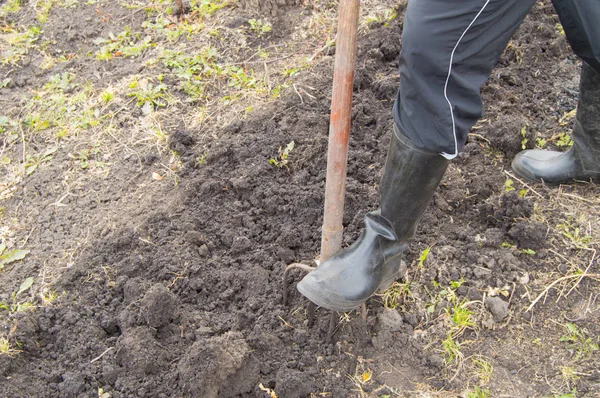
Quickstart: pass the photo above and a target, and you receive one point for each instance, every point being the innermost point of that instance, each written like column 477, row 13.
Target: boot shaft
column 588, row 108
column 409, row 180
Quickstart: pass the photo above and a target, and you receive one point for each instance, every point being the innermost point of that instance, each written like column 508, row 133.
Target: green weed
column 18, row 42
column 282, row 158
column 563, row 140
column 259, row 26
column 577, row 340
column 460, row 316
column 484, row 369
column 528, row 252
column 147, row 94
column 524, row 139
column 423, row 257
column 478, row 393
column 62, row 106
column 15, row 305
column 6, row 348
column 125, row 44
column 34, row 161
column 574, row 235
column 107, row 95
column 7, row 257
column 541, row 142
column 384, row 17
column 204, row 8
column 451, row 349
column 396, row 294
column 10, row 7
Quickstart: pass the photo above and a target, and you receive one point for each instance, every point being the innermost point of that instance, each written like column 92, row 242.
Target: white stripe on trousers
column 453, row 155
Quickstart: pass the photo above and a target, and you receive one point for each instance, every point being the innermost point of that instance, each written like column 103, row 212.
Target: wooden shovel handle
column 339, row 127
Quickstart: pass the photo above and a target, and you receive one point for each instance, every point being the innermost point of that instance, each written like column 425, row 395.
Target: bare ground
column 145, row 228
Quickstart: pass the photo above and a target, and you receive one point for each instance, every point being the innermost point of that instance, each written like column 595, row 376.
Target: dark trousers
column 449, row 48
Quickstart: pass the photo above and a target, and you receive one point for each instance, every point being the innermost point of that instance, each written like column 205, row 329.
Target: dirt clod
column 139, row 352
column 158, row 306
column 498, row 307
column 72, row 385
column 293, row 383
column 209, row 362
column 390, row 319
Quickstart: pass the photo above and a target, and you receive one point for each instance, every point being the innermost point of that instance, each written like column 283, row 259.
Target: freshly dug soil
column 178, row 292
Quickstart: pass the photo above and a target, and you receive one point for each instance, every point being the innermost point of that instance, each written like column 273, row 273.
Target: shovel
column 337, row 151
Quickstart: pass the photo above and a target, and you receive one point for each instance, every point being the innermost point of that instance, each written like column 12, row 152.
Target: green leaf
column 13, row 255
column 26, row 285
column 423, row 257
column 2, row 247
column 30, row 169
column 529, row 252
column 290, row 147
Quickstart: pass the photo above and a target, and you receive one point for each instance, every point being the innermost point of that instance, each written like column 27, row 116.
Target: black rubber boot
column 349, row 278
column 582, row 160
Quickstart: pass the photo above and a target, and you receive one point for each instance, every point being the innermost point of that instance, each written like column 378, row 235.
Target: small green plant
column 528, row 252
column 59, row 82
column 396, row 294
column 456, row 284
column 259, row 27
column 125, row 44
column 563, row 140
column 385, row 17
column 523, row 134
column 239, row 79
column 569, row 375
column 574, row 236
column 578, row 340
column 541, row 142
column 509, row 185
column 6, row 348
column 4, row 122
column 484, row 369
column 289, row 72
column 10, row 7
column 20, row 42
column 7, row 257
column 148, row 95
column 282, row 158
column 451, row 349
column 34, row 161
column 200, row 160
column 460, row 316
column 478, row 393
column 15, row 305
column 107, row 95
column 204, row 8
column 559, row 28
column 48, row 297
column 423, row 257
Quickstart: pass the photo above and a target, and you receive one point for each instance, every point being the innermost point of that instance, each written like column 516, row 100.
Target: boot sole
column 334, row 302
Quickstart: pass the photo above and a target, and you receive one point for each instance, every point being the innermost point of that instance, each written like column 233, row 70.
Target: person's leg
column 448, row 51
column 449, row 48
column 580, row 19
column 582, row 161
